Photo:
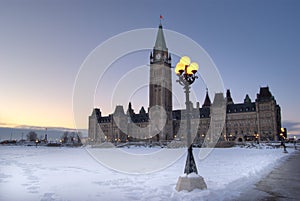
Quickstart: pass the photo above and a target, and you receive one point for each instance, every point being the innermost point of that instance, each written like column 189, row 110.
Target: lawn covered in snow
column 53, row 173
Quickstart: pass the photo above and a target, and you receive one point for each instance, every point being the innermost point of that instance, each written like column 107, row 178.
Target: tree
column 65, row 137
column 31, row 136
column 71, row 139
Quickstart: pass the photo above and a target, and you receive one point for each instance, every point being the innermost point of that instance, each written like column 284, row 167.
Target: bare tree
column 65, row 137
column 32, row 136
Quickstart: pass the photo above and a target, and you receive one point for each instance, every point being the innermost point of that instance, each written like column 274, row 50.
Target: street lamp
column 186, row 72
column 257, row 138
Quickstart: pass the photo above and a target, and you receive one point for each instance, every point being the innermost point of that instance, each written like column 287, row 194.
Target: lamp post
column 186, row 71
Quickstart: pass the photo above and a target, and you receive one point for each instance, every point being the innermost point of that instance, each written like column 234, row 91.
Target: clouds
column 39, row 128
column 5, row 124
column 292, row 126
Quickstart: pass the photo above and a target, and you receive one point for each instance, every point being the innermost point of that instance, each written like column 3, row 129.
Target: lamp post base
column 190, row 182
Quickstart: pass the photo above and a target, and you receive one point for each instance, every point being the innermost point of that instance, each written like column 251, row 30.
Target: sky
column 254, row 43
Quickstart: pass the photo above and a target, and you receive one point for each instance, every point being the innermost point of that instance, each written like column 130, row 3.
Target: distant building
column 257, row 120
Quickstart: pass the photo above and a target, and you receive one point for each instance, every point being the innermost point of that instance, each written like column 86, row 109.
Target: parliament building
column 246, row 121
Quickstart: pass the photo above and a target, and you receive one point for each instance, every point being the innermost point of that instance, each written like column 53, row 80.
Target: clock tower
column 160, row 86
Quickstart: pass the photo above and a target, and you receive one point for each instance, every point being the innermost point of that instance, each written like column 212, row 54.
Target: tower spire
column 160, row 83
column 228, row 97
column 130, row 110
column 207, row 102
column 160, row 43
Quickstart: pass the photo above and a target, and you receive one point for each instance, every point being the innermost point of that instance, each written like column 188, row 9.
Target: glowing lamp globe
column 185, row 60
column 194, row 67
column 179, row 69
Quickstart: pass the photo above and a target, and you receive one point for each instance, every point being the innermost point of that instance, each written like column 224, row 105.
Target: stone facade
column 257, row 120
column 160, row 84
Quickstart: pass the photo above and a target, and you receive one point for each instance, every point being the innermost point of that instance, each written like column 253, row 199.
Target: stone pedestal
column 190, row 182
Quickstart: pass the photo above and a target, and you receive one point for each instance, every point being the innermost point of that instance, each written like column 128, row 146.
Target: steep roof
column 160, row 43
column 241, row 107
column 119, row 110
column 228, row 97
column 247, row 99
column 97, row 113
column 207, row 102
column 264, row 94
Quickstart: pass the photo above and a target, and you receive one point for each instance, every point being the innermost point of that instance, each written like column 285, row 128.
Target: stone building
column 250, row 120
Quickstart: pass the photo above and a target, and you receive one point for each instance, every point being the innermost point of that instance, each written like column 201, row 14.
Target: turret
column 228, row 97
column 247, row 99
column 207, row 102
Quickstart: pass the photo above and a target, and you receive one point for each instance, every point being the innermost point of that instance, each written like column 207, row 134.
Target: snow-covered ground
column 49, row 173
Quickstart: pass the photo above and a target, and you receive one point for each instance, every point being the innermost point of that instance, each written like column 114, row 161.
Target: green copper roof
column 207, row 102
column 247, row 99
column 160, row 43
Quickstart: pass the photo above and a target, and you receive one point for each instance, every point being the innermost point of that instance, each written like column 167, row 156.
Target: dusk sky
column 253, row 43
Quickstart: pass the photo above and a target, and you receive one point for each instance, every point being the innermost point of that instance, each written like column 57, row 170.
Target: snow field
column 43, row 173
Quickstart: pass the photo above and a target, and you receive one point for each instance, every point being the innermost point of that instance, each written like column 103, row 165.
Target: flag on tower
column 160, row 17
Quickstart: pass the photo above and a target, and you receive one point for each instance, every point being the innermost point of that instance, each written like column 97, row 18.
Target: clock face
column 158, row 56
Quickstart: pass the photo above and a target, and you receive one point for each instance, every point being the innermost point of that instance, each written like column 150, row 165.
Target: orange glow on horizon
column 38, row 115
